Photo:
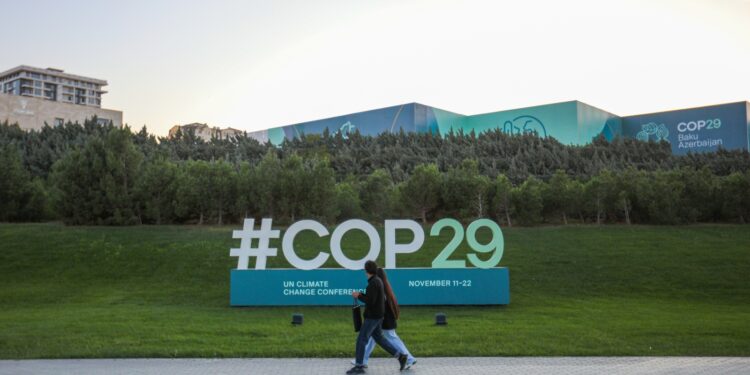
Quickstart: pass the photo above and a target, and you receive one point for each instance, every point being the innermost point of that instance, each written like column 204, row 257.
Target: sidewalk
column 447, row 366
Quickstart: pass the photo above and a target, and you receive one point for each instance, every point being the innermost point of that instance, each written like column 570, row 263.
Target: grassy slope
column 163, row 291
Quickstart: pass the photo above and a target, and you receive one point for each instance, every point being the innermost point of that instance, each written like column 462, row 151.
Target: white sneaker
column 409, row 364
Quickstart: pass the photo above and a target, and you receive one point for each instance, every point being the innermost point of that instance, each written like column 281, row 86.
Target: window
column 59, row 121
column 102, row 121
column 37, row 92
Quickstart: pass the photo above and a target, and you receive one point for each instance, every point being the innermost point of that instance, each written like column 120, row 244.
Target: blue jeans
column 390, row 335
column 372, row 328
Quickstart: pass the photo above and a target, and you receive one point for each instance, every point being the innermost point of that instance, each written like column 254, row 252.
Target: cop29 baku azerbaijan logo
column 265, row 233
column 653, row 132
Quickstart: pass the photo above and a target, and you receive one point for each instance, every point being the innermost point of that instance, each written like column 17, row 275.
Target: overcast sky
column 253, row 65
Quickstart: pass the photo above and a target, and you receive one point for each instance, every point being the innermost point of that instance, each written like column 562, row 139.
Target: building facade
column 33, row 97
column 204, row 131
column 694, row 129
column 573, row 123
column 52, row 84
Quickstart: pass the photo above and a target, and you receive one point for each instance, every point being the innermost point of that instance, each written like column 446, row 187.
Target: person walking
column 390, row 317
column 374, row 299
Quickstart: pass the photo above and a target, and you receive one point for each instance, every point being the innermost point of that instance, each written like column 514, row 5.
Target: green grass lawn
column 163, row 291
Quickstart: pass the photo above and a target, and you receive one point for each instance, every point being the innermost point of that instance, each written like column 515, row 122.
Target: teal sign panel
column 704, row 129
column 572, row 122
column 331, row 287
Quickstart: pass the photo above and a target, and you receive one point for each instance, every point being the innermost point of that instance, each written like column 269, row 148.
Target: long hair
column 392, row 302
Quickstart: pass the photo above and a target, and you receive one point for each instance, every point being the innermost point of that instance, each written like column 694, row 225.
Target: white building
column 32, row 97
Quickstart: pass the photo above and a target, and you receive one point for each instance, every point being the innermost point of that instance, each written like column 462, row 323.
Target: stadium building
column 573, row 123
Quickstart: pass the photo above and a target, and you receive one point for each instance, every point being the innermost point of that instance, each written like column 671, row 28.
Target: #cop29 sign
column 447, row 282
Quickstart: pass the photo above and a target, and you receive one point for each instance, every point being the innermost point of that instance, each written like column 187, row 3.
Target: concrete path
column 447, row 366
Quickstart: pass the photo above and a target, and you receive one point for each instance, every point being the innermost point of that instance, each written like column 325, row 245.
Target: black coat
column 389, row 319
column 374, row 298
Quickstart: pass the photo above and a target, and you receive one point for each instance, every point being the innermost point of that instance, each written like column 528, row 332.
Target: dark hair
column 371, row 267
column 392, row 302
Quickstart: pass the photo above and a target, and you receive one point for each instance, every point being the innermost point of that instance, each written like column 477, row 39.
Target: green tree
column 247, row 204
column 95, row 184
column 347, row 201
column 13, row 181
column 222, row 185
column 421, row 191
column 700, row 197
column 626, row 191
column 600, row 193
column 576, row 204
column 735, row 189
column 465, row 191
column 556, row 195
column 194, row 192
column 527, row 199
column 320, row 191
column 292, row 185
column 503, row 201
column 267, row 178
column 662, row 196
column 375, row 194
column 156, row 190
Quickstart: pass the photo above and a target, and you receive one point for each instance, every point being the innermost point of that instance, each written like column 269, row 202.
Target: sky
column 253, row 65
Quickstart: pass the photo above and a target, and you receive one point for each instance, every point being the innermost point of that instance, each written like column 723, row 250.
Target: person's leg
column 368, row 326
column 391, row 335
column 377, row 335
column 368, row 350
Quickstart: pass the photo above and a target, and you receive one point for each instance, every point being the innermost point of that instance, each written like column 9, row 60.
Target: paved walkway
column 447, row 366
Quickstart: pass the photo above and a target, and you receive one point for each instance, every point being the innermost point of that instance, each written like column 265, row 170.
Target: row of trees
column 106, row 175
column 516, row 156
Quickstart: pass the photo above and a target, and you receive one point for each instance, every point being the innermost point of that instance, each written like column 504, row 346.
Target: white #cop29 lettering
column 265, row 233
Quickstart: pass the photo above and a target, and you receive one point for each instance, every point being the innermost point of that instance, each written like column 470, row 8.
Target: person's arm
column 365, row 297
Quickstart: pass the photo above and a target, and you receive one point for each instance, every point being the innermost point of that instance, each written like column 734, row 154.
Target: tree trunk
column 506, row 201
column 598, row 212
column 627, row 211
column 200, row 221
column 220, row 214
column 424, row 216
column 565, row 218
